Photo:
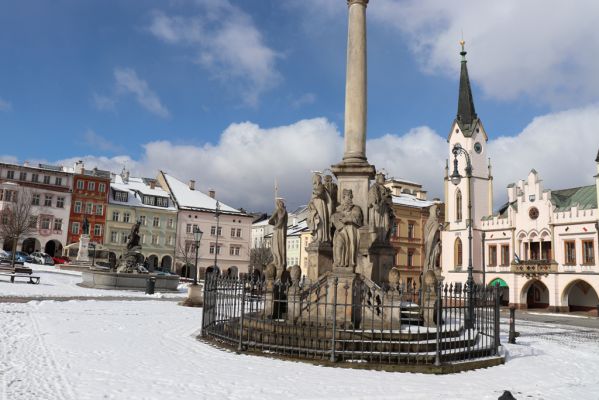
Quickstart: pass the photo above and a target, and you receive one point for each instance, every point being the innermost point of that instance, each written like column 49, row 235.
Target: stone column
column 355, row 84
column 83, row 252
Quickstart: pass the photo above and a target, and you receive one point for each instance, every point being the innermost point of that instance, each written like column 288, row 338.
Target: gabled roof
column 194, row 200
column 136, row 188
column 409, row 200
column 584, row 197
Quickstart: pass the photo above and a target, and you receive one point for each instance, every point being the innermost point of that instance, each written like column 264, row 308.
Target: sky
column 237, row 93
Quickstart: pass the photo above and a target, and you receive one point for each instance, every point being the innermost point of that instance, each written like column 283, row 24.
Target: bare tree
column 260, row 255
column 185, row 254
column 18, row 217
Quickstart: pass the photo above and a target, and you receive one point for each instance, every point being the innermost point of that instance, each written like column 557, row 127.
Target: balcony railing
column 534, row 268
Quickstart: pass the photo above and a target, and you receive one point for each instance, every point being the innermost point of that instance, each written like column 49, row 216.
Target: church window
column 458, row 205
column 458, row 252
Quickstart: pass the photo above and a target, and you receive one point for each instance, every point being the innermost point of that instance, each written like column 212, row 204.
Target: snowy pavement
column 147, row 350
column 57, row 283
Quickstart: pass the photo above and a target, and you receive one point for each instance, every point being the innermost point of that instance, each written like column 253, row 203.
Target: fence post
column 497, row 306
column 512, row 336
column 334, row 332
column 439, row 323
column 241, row 311
column 206, row 277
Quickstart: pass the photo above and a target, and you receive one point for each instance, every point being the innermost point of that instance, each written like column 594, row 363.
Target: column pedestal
column 320, row 260
column 83, row 253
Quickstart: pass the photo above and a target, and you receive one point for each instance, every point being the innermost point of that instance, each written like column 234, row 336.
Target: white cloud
column 227, row 43
column 127, row 81
column 5, row 105
column 304, row 100
column 243, row 165
column 103, row 103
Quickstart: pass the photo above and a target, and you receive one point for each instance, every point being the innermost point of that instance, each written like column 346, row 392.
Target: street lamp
column 456, row 178
column 216, row 215
column 197, row 236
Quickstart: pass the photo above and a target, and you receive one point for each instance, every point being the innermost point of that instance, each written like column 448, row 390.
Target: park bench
column 33, row 279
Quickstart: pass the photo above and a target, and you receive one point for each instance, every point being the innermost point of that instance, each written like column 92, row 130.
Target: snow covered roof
column 411, row 201
column 194, row 199
column 136, row 188
column 261, row 223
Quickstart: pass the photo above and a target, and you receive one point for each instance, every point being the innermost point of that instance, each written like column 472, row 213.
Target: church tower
column 468, row 132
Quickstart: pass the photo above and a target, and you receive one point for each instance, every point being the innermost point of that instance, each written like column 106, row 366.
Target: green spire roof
column 466, row 117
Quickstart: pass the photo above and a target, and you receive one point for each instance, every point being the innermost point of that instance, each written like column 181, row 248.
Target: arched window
column 458, row 205
column 457, row 252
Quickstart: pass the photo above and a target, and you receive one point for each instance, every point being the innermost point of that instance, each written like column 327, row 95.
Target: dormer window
column 149, row 200
column 121, row 196
column 162, row 201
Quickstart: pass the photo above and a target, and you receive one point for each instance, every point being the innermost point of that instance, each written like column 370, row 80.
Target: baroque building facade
column 540, row 247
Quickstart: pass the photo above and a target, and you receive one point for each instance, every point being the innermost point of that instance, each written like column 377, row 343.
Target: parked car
column 42, row 258
column 60, row 259
column 20, row 257
column 4, row 256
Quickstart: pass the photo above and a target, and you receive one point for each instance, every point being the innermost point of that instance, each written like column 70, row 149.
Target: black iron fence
column 350, row 319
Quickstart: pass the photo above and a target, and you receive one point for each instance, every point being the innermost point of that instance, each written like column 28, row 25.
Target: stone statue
column 380, row 210
column 133, row 241
column 432, row 238
column 331, row 188
column 318, row 212
column 85, row 226
column 347, row 219
column 279, row 235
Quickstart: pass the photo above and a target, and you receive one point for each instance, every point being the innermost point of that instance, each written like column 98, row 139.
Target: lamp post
column 483, row 257
column 93, row 246
column 456, row 178
column 197, row 236
column 216, row 215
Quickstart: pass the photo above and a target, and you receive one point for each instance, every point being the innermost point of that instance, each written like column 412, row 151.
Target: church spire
column 466, row 116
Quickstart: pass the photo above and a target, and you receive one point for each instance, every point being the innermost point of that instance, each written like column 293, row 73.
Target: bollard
column 512, row 336
column 150, row 285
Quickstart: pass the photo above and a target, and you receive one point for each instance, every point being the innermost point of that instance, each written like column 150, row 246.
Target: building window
column 457, row 247
column 80, row 183
column 58, row 181
column 162, row 201
column 121, row 196
column 58, row 224
column 32, row 222
column 234, row 250
column 114, row 236
column 239, row 233
column 77, row 207
column 23, row 176
column 458, row 205
column 89, row 207
column 492, row 256
column 188, row 228
column 411, row 230
column 410, row 257
column 148, row 200
column 35, row 178
column 46, row 179
column 142, row 220
column 60, row 202
column 220, row 231
column 101, row 187
column 99, row 209
column 170, row 241
column 126, row 217
column 570, row 252
column 171, row 223
column 154, row 239
column 156, row 222
column 213, row 231
column 505, row 254
column 91, row 186
column 97, row 230
column 212, row 247
column 124, row 237
column 233, row 232
column 35, row 199
column 48, row 200
column 10, row 174
column 395, row 229
column 588, row 252
column 45, row 222
column 75, row 228
column 115, row 215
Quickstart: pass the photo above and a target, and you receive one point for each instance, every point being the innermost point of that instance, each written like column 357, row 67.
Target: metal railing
column 352, row 320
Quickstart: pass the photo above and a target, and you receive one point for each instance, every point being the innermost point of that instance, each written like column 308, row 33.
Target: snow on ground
column 55, row 282
column 147, row 350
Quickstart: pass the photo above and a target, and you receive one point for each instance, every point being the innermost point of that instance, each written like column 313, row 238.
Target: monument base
column 102, row 279
column 195, row 296
column 320, row 260
column 381, row 259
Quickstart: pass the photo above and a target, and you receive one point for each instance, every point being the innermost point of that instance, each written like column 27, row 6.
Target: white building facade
column 540, row 247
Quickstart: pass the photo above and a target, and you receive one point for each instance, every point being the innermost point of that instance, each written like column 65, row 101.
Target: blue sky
column 149, row 84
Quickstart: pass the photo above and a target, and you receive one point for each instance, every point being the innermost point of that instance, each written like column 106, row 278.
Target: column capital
column 363, row 2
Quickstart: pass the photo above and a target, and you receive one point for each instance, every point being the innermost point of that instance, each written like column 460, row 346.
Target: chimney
column 212, row 193
column 79, row 167
column 192, row 184
column 152, row 184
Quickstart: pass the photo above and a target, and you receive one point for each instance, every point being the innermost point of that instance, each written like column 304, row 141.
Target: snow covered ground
column 147, row 350
column 62, row 283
